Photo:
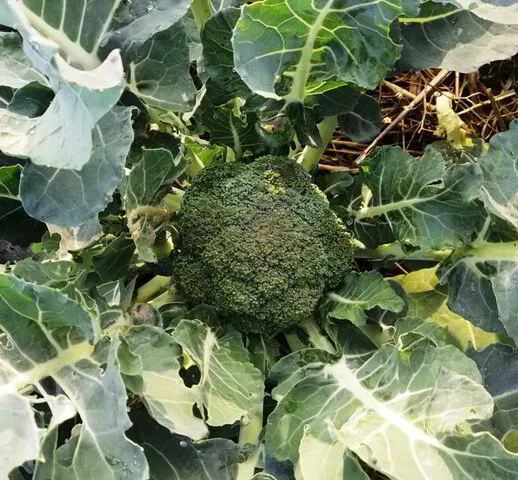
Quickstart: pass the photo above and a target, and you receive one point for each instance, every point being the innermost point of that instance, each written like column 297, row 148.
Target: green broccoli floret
column 259, row 244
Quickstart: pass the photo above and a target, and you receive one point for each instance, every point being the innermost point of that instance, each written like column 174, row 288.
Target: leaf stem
column 294, row 342
column 396, row 252
column 431, row 18
column 311, row 155
column 249, row 434
column 169, row 296
column 315, row 335
column 153, row 288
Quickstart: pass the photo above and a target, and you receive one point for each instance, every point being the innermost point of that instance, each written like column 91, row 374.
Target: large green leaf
column 159, row 70
column 326, row 461
column 230, row 125
column 500, row 11
column 149, row 363
column 425, row 202
column 359, row 292
column 398, row 404
column 44, row 333
column 292, row 49
column 174, row 457
column 498, row 365
column 82, row 98
column 428, row 315
column 146, row 186
column 98, row 447
column 70, row 198
column 218, row 54
column 137, row 21
column 483, row 284
column 19, row 432
column 445, row 37
column 500, row 175
column 231, row 387
column 15, row 68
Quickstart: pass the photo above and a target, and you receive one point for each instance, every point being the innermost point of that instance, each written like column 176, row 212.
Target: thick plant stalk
column 310, row 155
column 249, row 434
column 153, row 288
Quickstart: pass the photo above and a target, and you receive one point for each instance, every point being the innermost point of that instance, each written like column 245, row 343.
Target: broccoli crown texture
column 259, row 243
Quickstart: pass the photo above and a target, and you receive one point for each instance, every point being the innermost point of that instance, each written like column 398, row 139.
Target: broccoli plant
column 183, row 297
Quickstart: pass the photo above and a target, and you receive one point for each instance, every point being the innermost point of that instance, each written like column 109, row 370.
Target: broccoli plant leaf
column 19, row 432
column 82, row 98
column 455, row 40
column 45, row 333
column 359, row 292
column 159, row 70
column 216, row 38
column 135, row 22
column 56, row 332
column 98, row 446
column 358, row 114
column 498, row 365
column 483, row 283
column 292, row 49
column 326, row 461
column 149, row 363
column 17, row 227
column 230, row 125
column 429, row 315
column 178, row 458
column 397, row 404
column 498, row 11
column 70, row 198
column 145, row 188
column 500, row 176
column 231, row 387
column 15, row 68
column 114, row 261
column 426, row 203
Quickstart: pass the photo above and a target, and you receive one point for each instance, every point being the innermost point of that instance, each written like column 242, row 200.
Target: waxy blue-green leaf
column 16, row 69
column 292, row 49
column 18, row 430
column 231, row 387
column 498, row 365
column 42, row 331
column 135, row 22
column 175, row 457
column 453, row 39
column 98, row 446
column 425, row 202
column 360, row 292
column 397, row 404
column 159, row 70
column 359, row 114
column 218, row 55
column 149, row 364
column 234, row 127
column 483, row 284
column 69, row 198
column 499, row 11
column 500, row 176
column 82, row 97
column 326, row 461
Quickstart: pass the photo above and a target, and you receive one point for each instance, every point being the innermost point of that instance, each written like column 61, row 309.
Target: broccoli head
column 259, row 244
